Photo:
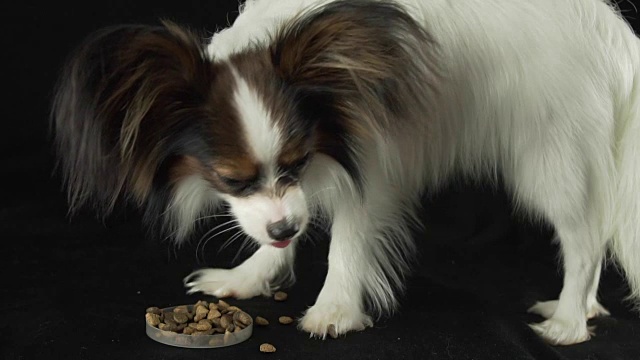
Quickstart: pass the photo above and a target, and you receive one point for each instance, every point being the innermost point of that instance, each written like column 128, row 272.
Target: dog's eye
column 237, row 185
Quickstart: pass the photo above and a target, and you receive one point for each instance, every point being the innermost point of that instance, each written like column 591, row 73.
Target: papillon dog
column 352, row 111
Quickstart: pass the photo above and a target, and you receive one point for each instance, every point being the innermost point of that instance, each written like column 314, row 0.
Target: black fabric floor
column 77, row 288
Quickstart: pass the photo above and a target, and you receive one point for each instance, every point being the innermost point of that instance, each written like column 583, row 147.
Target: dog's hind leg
column 566, row 183
column 581, row 256
column 546, row 309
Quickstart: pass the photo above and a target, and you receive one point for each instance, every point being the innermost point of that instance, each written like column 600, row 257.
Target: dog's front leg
column 340, row 302
column 260, row 274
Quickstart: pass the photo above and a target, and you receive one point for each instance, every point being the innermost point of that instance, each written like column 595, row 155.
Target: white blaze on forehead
column 262, row 135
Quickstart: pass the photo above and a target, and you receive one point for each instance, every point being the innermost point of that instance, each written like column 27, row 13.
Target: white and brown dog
column 351, row 110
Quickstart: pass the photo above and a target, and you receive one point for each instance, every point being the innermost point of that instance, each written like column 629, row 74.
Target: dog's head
column 142, row 113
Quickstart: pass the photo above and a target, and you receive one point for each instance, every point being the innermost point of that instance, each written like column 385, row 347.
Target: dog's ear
column 360, row 67
column 123, row 93
column 351, row 47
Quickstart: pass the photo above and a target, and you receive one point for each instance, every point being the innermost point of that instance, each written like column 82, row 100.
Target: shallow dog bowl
column 197, row 341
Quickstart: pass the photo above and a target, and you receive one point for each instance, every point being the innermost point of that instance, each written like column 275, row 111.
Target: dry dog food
column 261, row 321
column 280, row 296
column 285, row 320
column 267, row 348
column 205, row 319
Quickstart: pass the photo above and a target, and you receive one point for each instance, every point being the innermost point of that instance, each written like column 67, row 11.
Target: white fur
column 263, row 138
column 193, row 197
column 545, row 93
column 258, row 275
column 258, row 210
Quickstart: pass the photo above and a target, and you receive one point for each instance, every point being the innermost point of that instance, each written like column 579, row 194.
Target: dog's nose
column 283, row 229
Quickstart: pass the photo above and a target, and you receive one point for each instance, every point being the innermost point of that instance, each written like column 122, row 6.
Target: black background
column 77, row 288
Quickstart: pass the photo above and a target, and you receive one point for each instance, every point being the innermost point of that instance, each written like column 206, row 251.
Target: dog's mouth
column 281, row 243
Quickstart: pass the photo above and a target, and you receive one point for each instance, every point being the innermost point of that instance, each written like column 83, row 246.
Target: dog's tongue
column 281, row 244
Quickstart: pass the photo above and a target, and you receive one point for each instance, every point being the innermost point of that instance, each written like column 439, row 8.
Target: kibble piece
column 213, row 314
column 152, row 319
column 201, row 302
column 285, row 320
column 201, row 313
column 213, row 306
column 168, row 318
column 222, row 305
column 225, row 320
column 280, row 296
column 180, row 318
column 267, row 348
column 182, row 309
column 261, row 321
column 215, row 341
column 188, row 330
column 168, row 327
column 193, row 325
column 242, row 317
column 227, row 336
column 203, row 325
column 215, row 321
column 154, row 310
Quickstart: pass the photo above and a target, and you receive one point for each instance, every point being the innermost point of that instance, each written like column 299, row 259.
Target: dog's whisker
column 213, row 237
column 230, row 240
column 321, row 190
column 246, row 241
column 213, row 216
column 212, row 230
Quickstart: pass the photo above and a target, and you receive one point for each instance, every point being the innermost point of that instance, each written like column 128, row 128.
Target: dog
column 350, row 112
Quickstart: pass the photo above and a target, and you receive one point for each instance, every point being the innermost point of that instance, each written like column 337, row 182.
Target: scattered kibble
column 280, row 296
column 267, row 348
column 261, row 321
column 285, row 320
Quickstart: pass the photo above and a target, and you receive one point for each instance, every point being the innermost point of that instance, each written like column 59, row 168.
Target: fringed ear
column 363, row 68
column 122, row 95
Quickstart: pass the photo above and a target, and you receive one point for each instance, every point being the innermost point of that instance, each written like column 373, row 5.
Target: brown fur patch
column 231, row 156
column 184, row 167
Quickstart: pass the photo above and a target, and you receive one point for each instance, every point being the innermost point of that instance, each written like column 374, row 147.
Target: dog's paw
column 544, row 308
column 597, row 310
column 547, row 308
column 224, row 283
column 559, row 332
column 335, row 320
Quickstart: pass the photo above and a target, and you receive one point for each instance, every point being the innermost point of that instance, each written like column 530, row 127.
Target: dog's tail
column 625, row 245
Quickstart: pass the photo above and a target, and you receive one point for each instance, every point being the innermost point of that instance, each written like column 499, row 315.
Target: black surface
column 77, row 289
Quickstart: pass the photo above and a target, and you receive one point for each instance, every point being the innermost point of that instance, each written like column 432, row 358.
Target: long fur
column 351, row 110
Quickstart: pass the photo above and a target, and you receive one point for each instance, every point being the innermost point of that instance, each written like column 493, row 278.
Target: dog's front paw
column 546, row 309
column 333, row 319
column 226, row 283
column 559, row 332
